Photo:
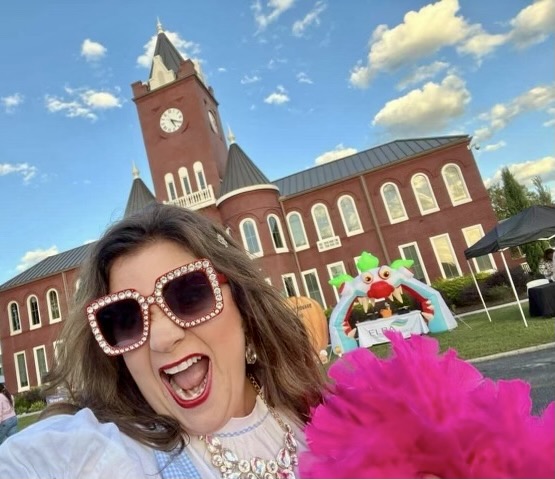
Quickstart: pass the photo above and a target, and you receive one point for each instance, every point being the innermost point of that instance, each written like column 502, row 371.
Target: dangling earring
column 250, row 354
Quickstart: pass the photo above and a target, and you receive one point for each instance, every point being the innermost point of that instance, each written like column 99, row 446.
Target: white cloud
column 533, row 23
column 92, row 51
column 33, row 257
column 538, row 98
column 23, row 169
column 222, row 69
column 11, row 102
column 551, row 121
column 82, row 103
column 278, row 97
column 422, row 73
column 311, row 17
column 525, row 171
column 494, row 146
column 273, row 10
column 186, row 48
column 274, row 62
column 250, row 79
column 425, row 110
column 337, row 153
column 302, row 77
column 479, row 43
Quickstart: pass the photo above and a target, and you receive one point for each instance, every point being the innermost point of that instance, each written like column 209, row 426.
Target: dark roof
column 53, row 264
column 241, row 172
column 361, row 162
column 139, row 197
column 170, row 56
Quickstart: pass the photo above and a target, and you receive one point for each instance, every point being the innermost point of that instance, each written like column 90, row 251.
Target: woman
column 546, row 266
column 180, row 360
column 8, row 418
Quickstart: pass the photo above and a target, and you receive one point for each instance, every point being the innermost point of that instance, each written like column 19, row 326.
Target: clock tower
column 182, row 131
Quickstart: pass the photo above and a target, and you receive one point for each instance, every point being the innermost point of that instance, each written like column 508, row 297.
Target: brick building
column 420, row 198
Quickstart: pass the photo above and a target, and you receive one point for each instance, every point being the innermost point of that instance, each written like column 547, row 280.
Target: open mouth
column 188, row 381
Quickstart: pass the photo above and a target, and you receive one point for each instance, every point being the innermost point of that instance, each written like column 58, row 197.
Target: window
column 296, row 228
column 21, row 371
column 445, row 256
column 349, row 215
column 170, row 186
column 199, row 174
column 322, row 221
column 290, row 285
column 56, row 348
column 471, row 235
column 336, row 269
column 53, row 306
column 40, row 363
column 15, row 322
column 312, row 286
column 424, row 194
column 456, row 187
column 393, row 203
column 184, row 177
column 411, row 251
column 34, row 314
column 277, row 234
column 251, row 240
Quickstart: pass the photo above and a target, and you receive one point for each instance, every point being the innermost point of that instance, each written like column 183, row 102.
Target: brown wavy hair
column 293, row 380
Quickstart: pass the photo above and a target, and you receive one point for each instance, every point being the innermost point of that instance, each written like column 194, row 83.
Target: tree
column 497, row 199
column 542, row 194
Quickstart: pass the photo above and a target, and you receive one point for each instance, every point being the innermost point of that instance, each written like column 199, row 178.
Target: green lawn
column 23, row 422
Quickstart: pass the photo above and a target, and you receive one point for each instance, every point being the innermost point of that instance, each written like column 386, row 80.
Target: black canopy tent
column 532, row 224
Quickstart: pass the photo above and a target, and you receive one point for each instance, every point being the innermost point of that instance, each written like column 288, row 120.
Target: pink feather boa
column 420, row 414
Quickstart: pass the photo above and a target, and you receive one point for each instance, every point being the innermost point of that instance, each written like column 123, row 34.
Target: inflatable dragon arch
column 382, row 282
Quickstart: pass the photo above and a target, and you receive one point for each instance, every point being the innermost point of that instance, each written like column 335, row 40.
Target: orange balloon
column 314, row 319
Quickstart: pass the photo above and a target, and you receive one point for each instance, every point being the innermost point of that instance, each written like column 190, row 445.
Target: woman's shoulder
column 76, row 442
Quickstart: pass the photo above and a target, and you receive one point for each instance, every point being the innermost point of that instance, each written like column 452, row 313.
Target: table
column 372, row 332
column 541, row 300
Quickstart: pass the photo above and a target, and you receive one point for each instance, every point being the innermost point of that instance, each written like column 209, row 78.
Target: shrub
column 23, row 401
column 498, row 293
column 37, row 406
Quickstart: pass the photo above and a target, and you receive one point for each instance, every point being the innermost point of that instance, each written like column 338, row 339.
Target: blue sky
column 298, row 81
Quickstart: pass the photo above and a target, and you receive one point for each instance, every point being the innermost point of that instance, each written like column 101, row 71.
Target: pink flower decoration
column 420, row 414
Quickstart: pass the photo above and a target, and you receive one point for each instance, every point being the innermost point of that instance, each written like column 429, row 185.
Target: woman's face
column 196, row 375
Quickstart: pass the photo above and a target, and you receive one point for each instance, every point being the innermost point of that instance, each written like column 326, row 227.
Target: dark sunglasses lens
column 189, row 296
column 121, row 323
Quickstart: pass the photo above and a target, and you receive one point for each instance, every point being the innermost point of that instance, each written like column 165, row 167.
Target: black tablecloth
column 541, row 300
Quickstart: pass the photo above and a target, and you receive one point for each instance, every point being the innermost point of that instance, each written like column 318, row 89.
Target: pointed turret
column 230, row 135
column 139, row 196
column 165, row 61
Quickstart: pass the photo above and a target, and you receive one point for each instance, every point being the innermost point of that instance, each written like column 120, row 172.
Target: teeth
column 364, row 301
column 352, row 333
column 189, row 394
column 428, row 316
column 398, row 294
column 182, row 366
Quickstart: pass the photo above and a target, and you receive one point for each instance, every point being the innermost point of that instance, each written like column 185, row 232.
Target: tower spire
column 135, row 171
column 230, row 135
column 159, row 28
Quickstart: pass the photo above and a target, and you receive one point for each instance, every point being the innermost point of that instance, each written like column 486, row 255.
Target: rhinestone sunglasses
column 188, row 295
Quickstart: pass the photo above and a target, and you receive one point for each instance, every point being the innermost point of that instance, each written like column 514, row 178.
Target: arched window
column 393, row 203
column 277, row 234
column 424, row 194
column 170, row 187
column 456, row 186
column 53, row 306
column 296, row 228
column 184, row 178
column 199, row 175
column 349, row 215
column 251, row 240
column 34, row 313
column 228, row 231
column 15, row 321
column 322, row 221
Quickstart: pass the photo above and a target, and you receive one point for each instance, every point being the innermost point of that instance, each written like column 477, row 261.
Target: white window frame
column 35, row 355
column 29, row 312
column 434, row 208
column 318, row 232
column 295, row 284
column 450, row 244
column 14, row 331
column 49, row 304
column 315, row 272
column 453, row 201
column 330, row 274
column 417, row 249
column 387, row 209
column 244, row 239
column 301, row 222
column 199, row 175
column 283, row 249
column 348, row 232
column 55, row 349
column 184, row 179
column 169, row 180
column 21, row 388
column 474, row 260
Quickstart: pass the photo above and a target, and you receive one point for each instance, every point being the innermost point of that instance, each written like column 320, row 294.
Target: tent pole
column 478, row 288
column 514, row 289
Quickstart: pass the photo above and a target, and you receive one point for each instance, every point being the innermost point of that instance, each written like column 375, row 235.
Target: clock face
column 213, row 122
column 171, row 120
